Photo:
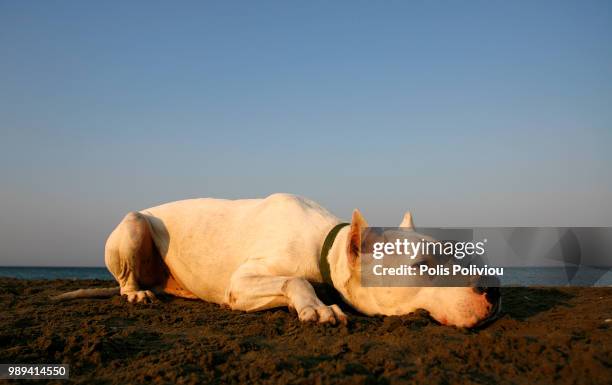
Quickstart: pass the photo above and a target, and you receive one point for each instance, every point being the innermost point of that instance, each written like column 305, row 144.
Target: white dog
column 257, row 254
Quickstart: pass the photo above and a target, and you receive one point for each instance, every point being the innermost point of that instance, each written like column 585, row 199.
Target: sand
column 545, row 335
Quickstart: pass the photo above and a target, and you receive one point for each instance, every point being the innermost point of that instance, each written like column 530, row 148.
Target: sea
column 28, row 272
column 513, row 276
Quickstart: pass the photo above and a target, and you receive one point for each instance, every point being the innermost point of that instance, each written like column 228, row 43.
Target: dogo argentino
column 257, row 254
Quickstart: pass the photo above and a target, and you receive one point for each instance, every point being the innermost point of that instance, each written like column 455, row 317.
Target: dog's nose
column 490, row 287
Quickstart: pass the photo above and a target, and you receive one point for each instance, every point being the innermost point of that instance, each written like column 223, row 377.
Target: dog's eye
column 424, row 262
column 427, row 261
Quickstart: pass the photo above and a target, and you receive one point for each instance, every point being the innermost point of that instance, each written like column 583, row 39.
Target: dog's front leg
column 252, row 288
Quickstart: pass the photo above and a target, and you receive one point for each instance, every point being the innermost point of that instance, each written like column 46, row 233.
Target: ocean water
column 556, row 276
column 55, row 272
column 513, row 276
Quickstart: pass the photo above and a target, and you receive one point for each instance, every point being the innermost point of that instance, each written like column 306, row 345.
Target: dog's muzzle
column 490, row 287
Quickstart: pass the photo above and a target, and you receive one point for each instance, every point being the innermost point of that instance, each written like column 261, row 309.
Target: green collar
column 327, row 244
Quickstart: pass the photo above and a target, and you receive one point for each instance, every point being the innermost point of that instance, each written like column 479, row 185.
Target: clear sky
column 467, row 113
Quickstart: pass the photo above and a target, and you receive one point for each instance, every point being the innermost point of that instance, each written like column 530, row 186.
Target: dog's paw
column 323, row 314
column 140, row 296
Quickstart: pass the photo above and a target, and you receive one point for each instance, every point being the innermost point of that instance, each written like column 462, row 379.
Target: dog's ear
column 358, row 223
column 407, row 222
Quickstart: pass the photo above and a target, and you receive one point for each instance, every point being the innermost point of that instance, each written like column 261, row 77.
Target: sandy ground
column 544, row 336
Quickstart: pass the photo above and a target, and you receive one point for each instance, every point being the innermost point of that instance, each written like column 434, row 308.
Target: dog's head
column 458, row 306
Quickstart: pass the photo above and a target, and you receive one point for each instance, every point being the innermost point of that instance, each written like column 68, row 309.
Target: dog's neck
column 345, row 277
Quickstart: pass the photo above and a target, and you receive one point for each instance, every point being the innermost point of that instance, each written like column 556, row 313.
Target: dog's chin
column 469, row 323
column 468, row 315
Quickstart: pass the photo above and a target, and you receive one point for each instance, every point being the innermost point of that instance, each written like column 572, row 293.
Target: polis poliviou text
column 438, row 270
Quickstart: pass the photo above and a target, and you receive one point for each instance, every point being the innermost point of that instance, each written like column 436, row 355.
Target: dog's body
column 258, row 254
column 241, row 253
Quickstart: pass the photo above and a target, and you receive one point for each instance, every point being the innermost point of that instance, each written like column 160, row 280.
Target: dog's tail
column 105, row 292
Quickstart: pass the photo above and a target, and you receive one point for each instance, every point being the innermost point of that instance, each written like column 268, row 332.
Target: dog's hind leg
column 131, row 256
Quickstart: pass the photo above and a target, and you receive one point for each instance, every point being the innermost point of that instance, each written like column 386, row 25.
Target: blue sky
column 467, row 113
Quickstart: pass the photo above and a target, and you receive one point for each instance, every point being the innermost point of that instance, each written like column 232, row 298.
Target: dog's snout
column 488, row 286
column 493, row 295
column 479, row 289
